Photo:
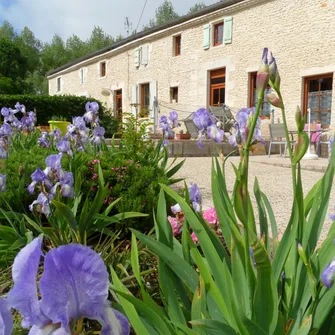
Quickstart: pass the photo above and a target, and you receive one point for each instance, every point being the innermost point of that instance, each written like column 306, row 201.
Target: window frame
column 174, row 93
column 59, row 86
column 81, row 75
column 216, row 25
column 305, row 91
column 177, row 45
column 215, row 74
column 102, row 65
column 142, row 96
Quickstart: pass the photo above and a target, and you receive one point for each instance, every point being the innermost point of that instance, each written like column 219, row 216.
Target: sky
column 67, row 17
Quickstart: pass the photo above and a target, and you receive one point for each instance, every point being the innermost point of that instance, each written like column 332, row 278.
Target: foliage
column 197, row 7
column 13, row 67
column 110, row 123
column 65, row 106
column 164, row 13
column 254, row 284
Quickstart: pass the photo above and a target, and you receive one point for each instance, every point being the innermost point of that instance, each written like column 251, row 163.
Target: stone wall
column 301, row 35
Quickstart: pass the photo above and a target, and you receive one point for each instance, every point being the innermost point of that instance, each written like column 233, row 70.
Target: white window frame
column 60, row 86
column 82, row 75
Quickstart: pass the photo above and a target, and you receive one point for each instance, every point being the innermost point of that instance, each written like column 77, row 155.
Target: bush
column 65, row 106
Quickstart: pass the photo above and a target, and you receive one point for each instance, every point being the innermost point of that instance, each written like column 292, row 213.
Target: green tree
column 164, row 13
column 196, row 7
column 13, row 68
column 75, row 47
column 7, row 31
column 98, row 40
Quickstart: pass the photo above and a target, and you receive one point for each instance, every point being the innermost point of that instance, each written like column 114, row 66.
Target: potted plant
column 59, row 122
column 144, row 113
column 182, row 136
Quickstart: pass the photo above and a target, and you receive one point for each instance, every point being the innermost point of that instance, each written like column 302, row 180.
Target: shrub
column 65, row 106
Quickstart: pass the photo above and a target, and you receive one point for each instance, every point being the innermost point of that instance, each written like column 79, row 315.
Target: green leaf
column 214, row 327
column 66, row 213
column 199, row 304
column 300, row 147
column 175, row 169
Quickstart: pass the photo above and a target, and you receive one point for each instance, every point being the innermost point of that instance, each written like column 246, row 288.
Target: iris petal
column 23, row 296
column 6, row 319
column 74, row 284
column 115, row 323
column 47, row 330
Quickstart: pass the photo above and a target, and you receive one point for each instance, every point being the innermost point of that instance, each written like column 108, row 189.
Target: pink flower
column 175, row 225
column 95, row 176
column 194, row 238
column 210, row 216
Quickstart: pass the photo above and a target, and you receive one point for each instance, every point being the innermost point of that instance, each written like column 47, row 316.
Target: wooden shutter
column 137, row 57
column 144, row 58
column 207, row 36
column 134, row 98
column 228, row 29
column 153, row 94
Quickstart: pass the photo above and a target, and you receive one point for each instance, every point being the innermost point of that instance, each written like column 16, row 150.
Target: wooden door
column 118, row 105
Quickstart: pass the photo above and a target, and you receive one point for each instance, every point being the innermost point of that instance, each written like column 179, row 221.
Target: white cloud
column 66, row 17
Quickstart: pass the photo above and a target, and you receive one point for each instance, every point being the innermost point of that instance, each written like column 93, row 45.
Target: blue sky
column 66, row 17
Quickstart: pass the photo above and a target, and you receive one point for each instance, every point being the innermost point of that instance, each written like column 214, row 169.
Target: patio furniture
column 323, row 138
column 224, row 115
column 277, row 136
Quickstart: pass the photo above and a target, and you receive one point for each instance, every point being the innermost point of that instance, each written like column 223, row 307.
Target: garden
column 99, row 237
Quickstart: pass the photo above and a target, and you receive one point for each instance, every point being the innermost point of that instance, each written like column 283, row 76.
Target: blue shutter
column 207, row 36
column 137, row 57
column 144, row 58
column 228, row 29
column 153, row 95
column 134, row 99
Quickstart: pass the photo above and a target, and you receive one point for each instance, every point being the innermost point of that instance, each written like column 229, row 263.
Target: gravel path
column 274, row 181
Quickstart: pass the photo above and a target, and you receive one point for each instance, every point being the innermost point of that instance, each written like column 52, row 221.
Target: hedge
column 65, row 106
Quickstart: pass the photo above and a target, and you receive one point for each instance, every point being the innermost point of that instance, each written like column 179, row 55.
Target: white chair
column 277, row 136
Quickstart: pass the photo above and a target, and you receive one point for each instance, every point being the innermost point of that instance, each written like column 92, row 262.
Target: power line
column 139, row 20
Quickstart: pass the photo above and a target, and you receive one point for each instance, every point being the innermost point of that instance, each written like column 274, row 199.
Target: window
column 102, row 69
column 174, row 94
column 218, row 34
column 59, row 84
column 177, row 45
column 145, row 96
column 81, row 76
column 217, row 87
column 318, row 97
column 266, row 106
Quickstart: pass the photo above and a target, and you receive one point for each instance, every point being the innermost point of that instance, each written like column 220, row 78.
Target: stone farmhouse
column 211, row 57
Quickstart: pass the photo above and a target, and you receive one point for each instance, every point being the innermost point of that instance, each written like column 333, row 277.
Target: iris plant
column 167, row 124
column 73, row 286
column 206, row 123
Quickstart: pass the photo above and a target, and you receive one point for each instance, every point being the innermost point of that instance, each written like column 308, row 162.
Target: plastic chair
column 277, row 136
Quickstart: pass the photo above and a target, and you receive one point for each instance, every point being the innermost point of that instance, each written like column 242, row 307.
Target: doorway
column 118, row 105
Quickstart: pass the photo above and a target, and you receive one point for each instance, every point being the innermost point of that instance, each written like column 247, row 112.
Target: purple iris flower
column 176, row 209
column 3, row 151
column 64, row 146
column 92, row 106
column 43, row 141
column 215, row 133
column 174, row 119
column 98, row 135
column 65, row 183
column 56, row 134
column 41, row 205
column 54, row 161
column 37, row 177
column 20, row 108
column 244, row 118
column 74, row 284
column 328, row 274
column 195, row 196
column 6, row 130
column 2, row 183
column 6, row 319
column 202, row 119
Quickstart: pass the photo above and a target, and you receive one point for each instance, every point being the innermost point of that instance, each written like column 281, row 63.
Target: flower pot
column 61, row 125
column 44, row 128
column 183, row 136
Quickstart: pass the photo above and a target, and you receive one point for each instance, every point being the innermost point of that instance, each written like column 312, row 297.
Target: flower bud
column 274, row 74
column 300, row 119
column 275, row 100
column 262, row 79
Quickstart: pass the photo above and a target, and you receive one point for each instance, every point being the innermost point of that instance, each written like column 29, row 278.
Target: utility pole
column 127, row 25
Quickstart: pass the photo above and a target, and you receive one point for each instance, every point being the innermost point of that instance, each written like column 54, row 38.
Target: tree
column 75, row 47
column 98, row 40
column 13, row 68
column 7, row 31
column 164, row 13
column 197, row 7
